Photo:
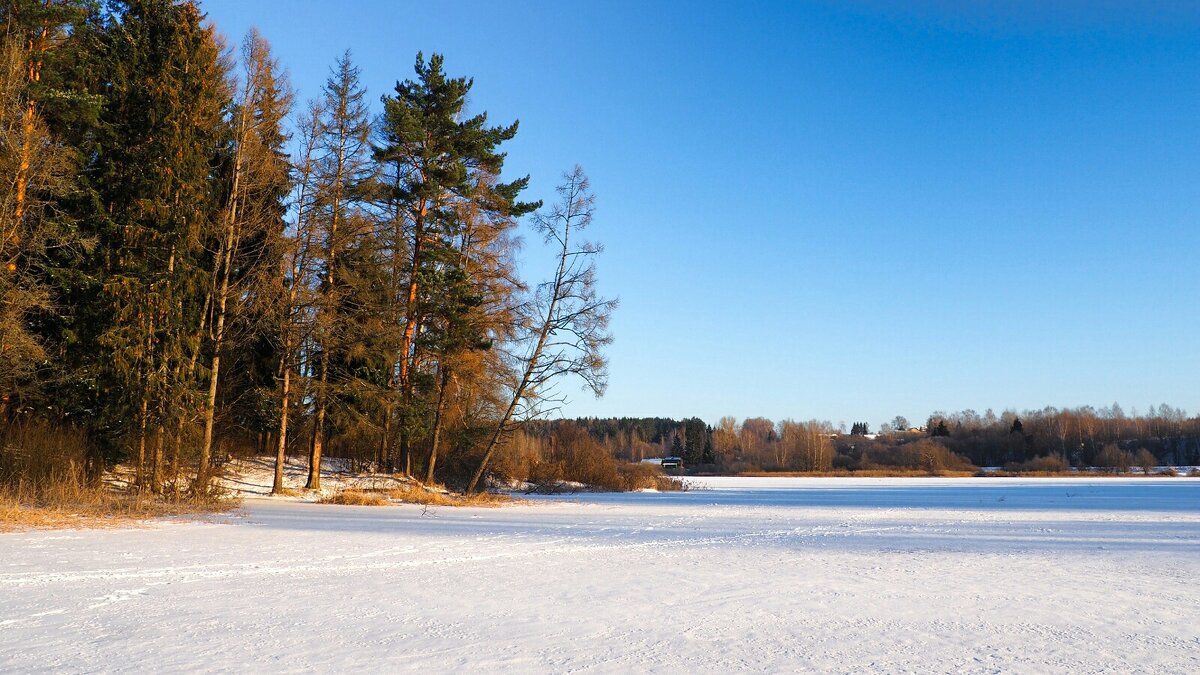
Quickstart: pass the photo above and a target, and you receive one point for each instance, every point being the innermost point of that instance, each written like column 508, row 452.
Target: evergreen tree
column 36, row 231
column 160, row 139
column 434, row 157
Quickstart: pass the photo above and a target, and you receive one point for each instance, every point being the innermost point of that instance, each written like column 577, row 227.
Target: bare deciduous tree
column 566, row 321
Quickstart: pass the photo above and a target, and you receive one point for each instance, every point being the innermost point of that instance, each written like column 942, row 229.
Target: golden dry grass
column 418, row 494
column 355, row 497
column 864, row 473
column 45, row 483
column 414, row 494
column 95, row 507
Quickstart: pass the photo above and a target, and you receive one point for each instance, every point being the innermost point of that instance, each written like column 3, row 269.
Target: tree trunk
column 407, row 352
column 210, row 408
column 280, row 450
column 437, row 424
column 140, row 468
column 314, row 454
column 37, row 50
column 384, row 460
column 156, row 477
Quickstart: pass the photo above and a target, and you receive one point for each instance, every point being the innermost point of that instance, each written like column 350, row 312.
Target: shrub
column 1114, row 459
column 922, row 455
column 1146, row 461
column 648, row 477
column 1044, row 464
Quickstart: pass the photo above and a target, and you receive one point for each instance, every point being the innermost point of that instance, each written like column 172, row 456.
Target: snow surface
column 833, row 575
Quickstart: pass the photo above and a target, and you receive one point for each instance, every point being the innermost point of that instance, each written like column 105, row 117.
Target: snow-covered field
column 833, row 575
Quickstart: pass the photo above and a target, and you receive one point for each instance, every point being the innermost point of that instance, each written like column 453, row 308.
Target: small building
column 672, row 463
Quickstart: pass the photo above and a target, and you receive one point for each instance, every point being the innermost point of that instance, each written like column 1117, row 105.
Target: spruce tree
column 160, row 138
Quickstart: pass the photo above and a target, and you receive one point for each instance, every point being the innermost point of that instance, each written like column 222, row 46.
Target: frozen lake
column 833, row 575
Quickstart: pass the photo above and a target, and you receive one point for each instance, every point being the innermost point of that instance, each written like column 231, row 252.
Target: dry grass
column 418, row 494
column 353, row 497
column 861, row 473
column 415, row 494
column 44, row 484
column 95, row 507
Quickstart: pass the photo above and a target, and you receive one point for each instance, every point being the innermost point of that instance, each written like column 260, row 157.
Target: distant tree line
column 1050, row 439
column 191, row 263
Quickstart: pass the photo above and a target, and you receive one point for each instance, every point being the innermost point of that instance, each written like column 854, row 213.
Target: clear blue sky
column 842, row 210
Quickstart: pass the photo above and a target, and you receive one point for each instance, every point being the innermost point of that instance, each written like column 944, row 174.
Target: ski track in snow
column 828, row 575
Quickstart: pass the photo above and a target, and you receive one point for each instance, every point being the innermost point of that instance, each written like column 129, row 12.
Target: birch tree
column 565, row 323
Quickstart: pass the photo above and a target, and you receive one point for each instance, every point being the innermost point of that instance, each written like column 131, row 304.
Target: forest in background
column 1034, row 441
column 194, row 264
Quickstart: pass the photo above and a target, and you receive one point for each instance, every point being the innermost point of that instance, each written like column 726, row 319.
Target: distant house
column 674, row 463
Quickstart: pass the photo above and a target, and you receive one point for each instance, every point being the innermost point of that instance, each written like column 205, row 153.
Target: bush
column 1146, row 461
column 1114, row 459
column 647, row 477
column 921, row 455
column 1043, row 464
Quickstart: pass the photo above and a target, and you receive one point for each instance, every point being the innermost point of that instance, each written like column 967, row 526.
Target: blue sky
column 841, row 210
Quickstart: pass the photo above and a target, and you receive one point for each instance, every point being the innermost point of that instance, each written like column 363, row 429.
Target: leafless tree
column 565, row 324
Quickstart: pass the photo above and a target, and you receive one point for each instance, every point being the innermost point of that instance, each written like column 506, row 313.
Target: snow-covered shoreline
column 827, row 574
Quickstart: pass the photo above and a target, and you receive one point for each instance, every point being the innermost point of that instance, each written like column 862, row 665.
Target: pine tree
column 434, row 157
